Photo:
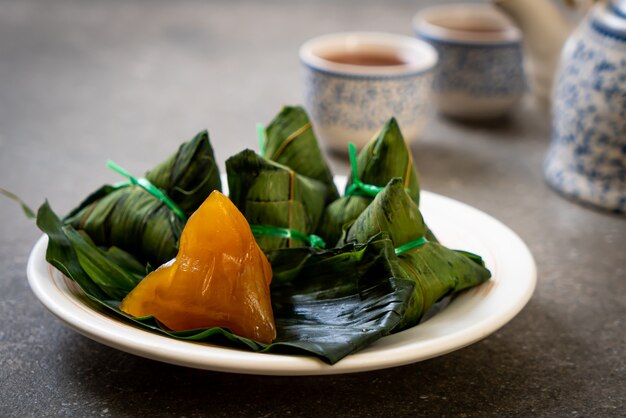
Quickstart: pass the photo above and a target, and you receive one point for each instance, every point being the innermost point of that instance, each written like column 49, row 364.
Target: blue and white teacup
column 354, row 82
column 480, row 73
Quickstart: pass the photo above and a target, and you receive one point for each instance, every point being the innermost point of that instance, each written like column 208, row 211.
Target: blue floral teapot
column 586, row 160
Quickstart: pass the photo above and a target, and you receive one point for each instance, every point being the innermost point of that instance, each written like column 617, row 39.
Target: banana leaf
column 436, row 270
column 102, row 273
column 136, row 221
column 339, row 213
column 327, row 303
column 268, row 193
column 387, row 156
column 339, row 299
column 290, row 141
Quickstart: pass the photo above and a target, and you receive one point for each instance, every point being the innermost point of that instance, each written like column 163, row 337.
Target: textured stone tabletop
column 83, row 81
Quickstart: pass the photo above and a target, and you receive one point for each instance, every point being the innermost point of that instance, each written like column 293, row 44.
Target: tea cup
column 480, row 73
column 354, row 82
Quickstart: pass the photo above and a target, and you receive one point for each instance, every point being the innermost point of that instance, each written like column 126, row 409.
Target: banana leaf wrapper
column 290, row 141
column 386, row 157
column 436, row 270
column 134, row 220
column 268, row 193
column 327, row 303
column 340, row 213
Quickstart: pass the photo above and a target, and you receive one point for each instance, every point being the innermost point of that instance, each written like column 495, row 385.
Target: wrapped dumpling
column 436, row 270
column 274, row 195
column 385, row 157
column 289, row 140
column 129, row 217
column 219, row 278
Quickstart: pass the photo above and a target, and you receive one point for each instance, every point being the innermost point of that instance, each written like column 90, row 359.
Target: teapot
column 584, row 73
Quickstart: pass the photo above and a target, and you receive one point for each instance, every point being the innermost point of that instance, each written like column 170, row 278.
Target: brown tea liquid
column 366, row 58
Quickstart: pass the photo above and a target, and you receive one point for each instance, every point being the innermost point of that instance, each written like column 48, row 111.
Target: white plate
column 471, row 316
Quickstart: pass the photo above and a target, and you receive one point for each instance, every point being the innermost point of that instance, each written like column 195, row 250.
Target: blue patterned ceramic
column 350, row 102
column 480, row 72
column 587, row 156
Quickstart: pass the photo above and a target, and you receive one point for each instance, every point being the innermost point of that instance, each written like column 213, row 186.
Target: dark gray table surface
column 83, row 81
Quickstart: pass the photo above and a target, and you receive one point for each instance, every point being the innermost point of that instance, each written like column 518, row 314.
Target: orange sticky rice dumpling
column 219, row 278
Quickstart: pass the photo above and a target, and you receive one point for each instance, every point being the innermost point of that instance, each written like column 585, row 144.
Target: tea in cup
column 480, row 73
column 355, row 82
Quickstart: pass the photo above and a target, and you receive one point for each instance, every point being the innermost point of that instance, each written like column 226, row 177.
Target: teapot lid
column 618, row 7
column 610, row 19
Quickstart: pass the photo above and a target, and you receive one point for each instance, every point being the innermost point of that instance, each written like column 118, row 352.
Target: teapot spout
column 545, row 29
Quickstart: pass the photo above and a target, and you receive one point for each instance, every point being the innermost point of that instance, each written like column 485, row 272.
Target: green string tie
column 274, row 231
column 410, row 245
column 358, row 188
column 260, row 133
column 147, row 186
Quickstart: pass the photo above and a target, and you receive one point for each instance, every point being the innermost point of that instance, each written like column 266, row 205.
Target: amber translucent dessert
column 219, row 278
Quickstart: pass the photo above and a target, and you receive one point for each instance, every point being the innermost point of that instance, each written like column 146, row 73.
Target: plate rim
column 126, row 337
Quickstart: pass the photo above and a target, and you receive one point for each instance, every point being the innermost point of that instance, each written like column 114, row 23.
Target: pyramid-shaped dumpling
column 220, row 278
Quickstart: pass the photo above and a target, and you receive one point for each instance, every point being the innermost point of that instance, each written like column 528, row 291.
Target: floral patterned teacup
column 480, row 73
column 355, row 82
